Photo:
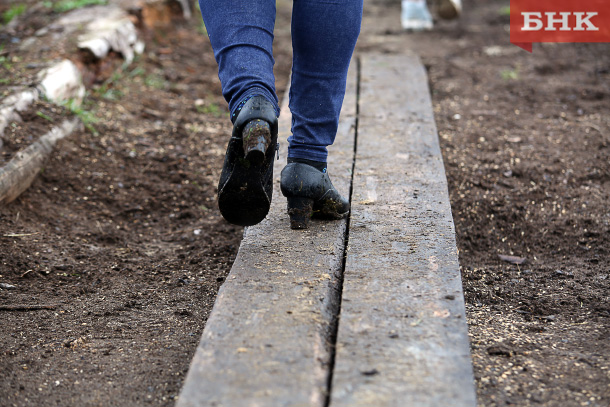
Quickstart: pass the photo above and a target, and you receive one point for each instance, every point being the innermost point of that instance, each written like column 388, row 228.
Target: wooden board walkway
column 402, row 334
column 391, row 301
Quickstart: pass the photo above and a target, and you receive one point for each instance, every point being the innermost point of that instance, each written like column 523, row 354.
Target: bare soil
column 117, row 250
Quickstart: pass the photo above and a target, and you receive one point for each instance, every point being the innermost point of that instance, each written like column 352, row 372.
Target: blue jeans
column 324, row 34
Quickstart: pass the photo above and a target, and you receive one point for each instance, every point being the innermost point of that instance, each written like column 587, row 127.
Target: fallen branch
column 26, row 307
column 19, row 234
column 19, row 173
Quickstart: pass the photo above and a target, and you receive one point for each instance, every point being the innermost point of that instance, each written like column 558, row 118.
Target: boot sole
column 243, row 199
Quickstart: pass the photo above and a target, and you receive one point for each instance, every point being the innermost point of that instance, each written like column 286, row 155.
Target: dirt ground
column 120, row 244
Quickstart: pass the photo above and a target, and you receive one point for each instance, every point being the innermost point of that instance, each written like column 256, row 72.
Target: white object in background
column 415, row 15
column 62, row 82
column 449, row 9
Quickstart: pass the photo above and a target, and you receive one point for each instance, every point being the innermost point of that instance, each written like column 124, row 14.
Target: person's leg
column 324, row 34
column 241, row 33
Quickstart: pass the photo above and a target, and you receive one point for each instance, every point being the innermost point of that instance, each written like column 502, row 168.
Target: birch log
column 58, row 83
column 19, row 173
column 113, row 32
column 13, row 104
column 62, row 82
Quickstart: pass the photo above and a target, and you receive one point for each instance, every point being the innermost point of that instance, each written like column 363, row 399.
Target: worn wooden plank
column 402, row 337
column 267, row 341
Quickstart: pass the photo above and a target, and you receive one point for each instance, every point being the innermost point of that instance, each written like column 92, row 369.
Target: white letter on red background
column 528, row 19
column 551, row 20
column 580, row 21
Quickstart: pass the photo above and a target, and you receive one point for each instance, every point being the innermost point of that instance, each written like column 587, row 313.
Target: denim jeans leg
column 324, row 34
column 241, row 33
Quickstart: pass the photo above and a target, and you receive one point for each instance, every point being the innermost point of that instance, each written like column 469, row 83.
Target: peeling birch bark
column 113, row 32
column 19, row 173
column 13, row 104
column 101, row 29
column 62, row 82
column 59, row 83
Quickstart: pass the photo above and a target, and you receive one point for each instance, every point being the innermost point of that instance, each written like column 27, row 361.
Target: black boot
column 246, row 181
column 310, row 194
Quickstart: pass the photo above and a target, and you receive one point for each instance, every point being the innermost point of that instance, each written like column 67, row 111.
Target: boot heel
column 300, row 211
column 256, row 138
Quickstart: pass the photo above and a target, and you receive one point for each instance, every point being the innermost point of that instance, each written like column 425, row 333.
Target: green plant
column 106, row 89
column 14, row 11
column 510, row 74
column 504, row 11
column 4, row 62
column 44, row 116
column 211, row 108
column 155, row 81
column 4, row 59
column 67, row 5
column 87, row 117
column 196, row 185
column 138, row 71
column 112, row 94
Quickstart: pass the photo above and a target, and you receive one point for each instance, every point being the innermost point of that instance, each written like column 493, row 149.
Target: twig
column 185, row 230
column 26, row 307
column 594, row 127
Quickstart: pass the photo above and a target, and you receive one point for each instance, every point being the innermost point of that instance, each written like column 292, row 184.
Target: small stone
column 372, row 372
column 564, row 274
column 499, row 350
column 493, row 51
column 512, row 259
